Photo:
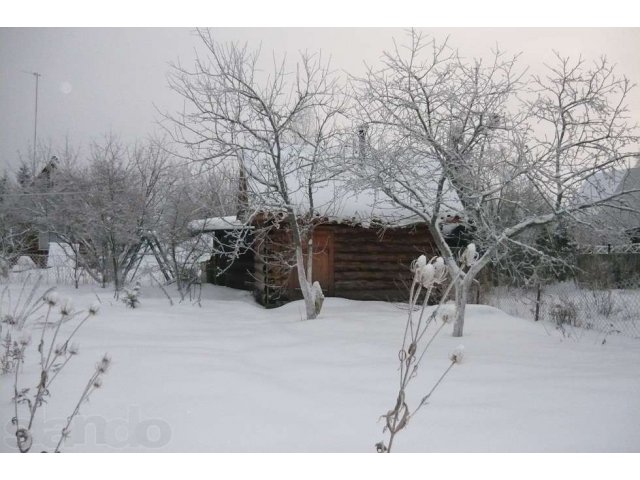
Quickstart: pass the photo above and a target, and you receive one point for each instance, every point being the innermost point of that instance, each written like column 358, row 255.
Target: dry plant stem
column 85, row 394
column 44, row 372
column 53, row 359
column 426, row 397
column 424, row 304
column 66, row 342
column 53, row 341
column 41, row 344
column 15, row 392
column 24, row 284
column 64, row 348
column 45, row 380
column 407, row 358
column 424, row 350
column 419, row 334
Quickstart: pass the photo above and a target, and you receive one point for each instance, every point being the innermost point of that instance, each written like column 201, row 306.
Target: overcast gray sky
column 96, row 81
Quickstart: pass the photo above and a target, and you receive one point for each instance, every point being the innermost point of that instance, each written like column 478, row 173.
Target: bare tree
column 279, row 126
column 458, row 137
column 104, row 210
column 192, row 195
column 24, row 202
column 13, row 229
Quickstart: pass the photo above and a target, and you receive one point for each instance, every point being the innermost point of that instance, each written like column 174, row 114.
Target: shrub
column 131, row 296
column 604, row 302
column 565, row 313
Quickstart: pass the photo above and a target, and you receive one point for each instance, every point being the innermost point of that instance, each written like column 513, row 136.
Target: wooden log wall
column 371, row 264
column 271, row 275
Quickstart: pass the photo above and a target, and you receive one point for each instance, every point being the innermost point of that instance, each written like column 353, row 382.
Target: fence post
column 538, row 294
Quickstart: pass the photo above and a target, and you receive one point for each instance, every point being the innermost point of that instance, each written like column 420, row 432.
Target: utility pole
column 35, row 123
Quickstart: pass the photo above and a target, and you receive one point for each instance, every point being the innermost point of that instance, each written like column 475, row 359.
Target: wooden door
column 322, row 262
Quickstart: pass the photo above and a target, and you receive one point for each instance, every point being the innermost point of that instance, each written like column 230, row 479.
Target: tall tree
column 454, row 136
column 103, row 210
column 191, row 195
column 280, row 126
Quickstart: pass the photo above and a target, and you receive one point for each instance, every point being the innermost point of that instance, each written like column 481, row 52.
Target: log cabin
column 352, row 259
column 363, row 244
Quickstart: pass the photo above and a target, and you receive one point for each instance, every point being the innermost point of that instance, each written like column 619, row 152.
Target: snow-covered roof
column 216, row 223
column 339, row 201
column 345, row 195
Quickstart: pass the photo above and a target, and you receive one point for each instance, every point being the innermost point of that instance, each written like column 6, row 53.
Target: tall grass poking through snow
column 55, row 349
column 418, row 336
column 14, row 316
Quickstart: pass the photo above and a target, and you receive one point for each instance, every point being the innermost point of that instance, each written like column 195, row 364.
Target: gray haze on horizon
column 96, row 81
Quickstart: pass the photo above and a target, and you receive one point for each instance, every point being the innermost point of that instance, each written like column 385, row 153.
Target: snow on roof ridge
column 210, row 224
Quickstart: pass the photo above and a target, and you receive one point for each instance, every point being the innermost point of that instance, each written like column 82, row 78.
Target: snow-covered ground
column 230, row 376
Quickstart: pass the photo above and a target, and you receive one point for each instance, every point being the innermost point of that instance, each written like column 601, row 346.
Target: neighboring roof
column 631, row 181
column 60, row 255
column 621, row 213
column 602, row 184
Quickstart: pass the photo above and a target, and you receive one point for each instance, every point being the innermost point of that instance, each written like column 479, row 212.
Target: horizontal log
column 387, row 284
column 372, row 249
column 371, row 252
column 396, row 265
column 386, row 235
column 392, row 295
column 378, row 233
column 376, row 229
column 370, row 276
column 379, row 257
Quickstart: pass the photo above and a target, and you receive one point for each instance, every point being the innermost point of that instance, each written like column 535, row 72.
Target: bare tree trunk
column 461, row 287
column 310, row 259
column 76, row 266
column 462, row 284
column 305, row 286
column 116, row 278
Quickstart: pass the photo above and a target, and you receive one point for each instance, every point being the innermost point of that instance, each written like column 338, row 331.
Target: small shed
column 363, row 243
column 351, row 259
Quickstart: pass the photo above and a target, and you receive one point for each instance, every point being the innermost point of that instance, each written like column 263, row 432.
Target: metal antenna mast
column 35, row 122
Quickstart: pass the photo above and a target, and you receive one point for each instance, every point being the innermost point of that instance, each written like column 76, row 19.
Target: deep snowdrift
column 232, row 377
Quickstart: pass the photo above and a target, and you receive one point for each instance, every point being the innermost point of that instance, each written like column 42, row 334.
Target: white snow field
column 230, row 376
